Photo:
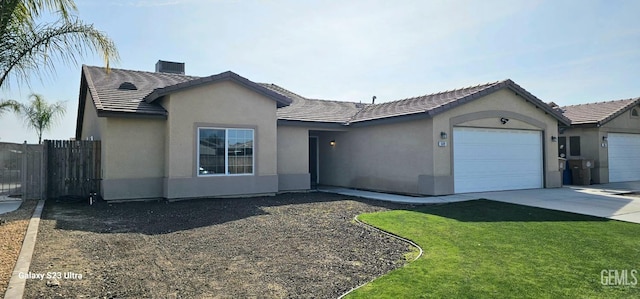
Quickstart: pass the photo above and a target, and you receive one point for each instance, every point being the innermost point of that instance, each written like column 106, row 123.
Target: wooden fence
column 21, row 170
column 73, row 168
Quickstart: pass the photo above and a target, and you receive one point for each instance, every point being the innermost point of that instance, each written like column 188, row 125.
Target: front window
column 225, row 151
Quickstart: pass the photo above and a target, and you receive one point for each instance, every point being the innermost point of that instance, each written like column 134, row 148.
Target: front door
column 313, row 160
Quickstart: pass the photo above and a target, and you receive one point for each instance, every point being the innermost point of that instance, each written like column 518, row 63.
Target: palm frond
column 9, row 105
column 40, row 115
column 25, row 51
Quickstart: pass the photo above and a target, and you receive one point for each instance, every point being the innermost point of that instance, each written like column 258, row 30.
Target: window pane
column 574, row 145
column 212, row 142
column 240, row 151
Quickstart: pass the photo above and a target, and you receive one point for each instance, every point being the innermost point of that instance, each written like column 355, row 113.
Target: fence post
column 43, row 171
column 23, row 172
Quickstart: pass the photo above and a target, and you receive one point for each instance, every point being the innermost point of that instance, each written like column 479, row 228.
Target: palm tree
column 29, row 48
column 9, row 105
column 40, row 115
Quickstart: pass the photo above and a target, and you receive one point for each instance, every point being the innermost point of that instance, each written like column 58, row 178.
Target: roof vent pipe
column 373, row 100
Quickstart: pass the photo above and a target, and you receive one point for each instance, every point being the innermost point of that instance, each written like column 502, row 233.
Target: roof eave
column 306, row 123
column 619, row 112
column 126, row 114
column 280, row 99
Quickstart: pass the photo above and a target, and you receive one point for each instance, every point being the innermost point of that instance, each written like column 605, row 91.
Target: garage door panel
column 494, row 159
column 624, row 157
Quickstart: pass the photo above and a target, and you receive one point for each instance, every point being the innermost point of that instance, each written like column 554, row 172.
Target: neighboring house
column 173, row 136
column 608, row 133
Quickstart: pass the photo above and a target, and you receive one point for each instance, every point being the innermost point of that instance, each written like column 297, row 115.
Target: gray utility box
column 581, row 171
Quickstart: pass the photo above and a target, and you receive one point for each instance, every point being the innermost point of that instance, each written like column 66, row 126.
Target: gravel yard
column 13, row 227
column 288, row 246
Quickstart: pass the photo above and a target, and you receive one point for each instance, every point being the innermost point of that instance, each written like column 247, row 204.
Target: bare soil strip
column 287, row 246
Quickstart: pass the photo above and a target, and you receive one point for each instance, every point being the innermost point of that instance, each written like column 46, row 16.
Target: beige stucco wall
column 293, row 163
column 387, row 157
column 92, row 125
column 133, row 148
column 292, row 141
column 486, row 112
column 365, row 157
column 624, row 123
column 225, row 105
column 132, row 151
column 591, row 142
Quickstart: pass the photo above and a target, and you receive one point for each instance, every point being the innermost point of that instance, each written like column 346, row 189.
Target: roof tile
column 108, row 97
column 598, row 113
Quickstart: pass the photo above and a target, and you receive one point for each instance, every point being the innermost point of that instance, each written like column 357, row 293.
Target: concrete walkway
column 605, row 200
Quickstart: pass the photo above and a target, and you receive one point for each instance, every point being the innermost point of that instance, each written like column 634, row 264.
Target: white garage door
column 496, row 159
column 624, row 157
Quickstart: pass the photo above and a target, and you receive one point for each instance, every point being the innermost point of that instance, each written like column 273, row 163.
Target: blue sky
column 569, row 52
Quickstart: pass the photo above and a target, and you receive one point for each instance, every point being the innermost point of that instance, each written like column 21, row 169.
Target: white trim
column 317, row 158
column 226, row 152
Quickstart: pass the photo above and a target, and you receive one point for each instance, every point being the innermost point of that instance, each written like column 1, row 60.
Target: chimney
column 170, row 67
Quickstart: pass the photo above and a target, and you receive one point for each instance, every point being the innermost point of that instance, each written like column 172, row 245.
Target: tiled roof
column 108, row 97
column 598, row 113
column 228, row 75
column 313, row 110
column 303, row 109
column 420, row 104
column 140, row 88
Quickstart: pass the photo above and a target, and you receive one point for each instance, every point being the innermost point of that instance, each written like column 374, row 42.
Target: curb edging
column 16, row 286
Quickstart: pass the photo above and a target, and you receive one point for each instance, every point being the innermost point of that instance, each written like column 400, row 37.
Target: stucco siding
column 624, row 123
column 134, row 148
column 92, row 125
column 388, row 157
column 220, row 105
column 486, row 112
column 293, row 158
column 132, row 158
column 591, row 141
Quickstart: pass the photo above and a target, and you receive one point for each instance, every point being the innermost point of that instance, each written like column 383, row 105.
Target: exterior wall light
column 554, row 139
column 504, row 120
column 604, row 138
column 332, row 143
column 443, row 135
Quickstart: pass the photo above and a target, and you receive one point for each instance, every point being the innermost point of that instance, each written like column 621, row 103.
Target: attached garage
column 496, row 159
column 609, row 134
column 624, row 157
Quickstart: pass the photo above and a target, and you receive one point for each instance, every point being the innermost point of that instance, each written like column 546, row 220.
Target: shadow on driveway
column 492, row 211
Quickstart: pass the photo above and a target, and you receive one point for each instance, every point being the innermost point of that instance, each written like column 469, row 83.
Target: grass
column 485, row 249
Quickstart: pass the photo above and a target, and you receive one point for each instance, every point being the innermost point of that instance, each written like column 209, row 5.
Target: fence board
column 73, row 168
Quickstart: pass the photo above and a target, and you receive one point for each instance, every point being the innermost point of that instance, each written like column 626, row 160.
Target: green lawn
column 486, row 249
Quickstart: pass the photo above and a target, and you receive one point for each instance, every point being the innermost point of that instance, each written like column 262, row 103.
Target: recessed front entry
column 624, row 157
column 496, row 159
column 313, row 160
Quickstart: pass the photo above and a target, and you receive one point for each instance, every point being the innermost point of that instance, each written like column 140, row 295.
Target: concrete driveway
column 606, row 200
column 595, row 200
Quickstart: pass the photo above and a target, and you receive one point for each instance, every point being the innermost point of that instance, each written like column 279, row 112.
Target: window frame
column 636, row 110
column 575, row 145
column 226, row 151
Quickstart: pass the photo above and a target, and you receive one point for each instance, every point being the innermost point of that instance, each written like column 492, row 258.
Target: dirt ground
column 13, row 227
column 288, row 246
